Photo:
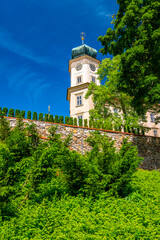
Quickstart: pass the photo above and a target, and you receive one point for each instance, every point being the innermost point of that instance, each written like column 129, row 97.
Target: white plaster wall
column 83, row 110
column 85, row 72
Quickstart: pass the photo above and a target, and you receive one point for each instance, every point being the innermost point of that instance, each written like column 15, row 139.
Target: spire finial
column 82, row 37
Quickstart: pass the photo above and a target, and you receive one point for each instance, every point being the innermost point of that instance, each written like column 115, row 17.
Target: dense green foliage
column 50, row 192
column 46, row 117
column 40, row 116
column 11, row 112
column 17, row 113
column 135, row 217
column 34, row 116
column 5, row 111
column 29, row 115
column 51, row 119
column 136, row 39
column 61, row 119
column 23, row 114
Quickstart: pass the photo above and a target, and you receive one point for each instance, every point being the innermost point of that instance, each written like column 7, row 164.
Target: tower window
column 79, row 79
column 93, row 79
column 79, row 100
column 152, row 117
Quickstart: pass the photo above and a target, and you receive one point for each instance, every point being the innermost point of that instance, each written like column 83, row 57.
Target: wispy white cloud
column 9, row 43
column 24, row 80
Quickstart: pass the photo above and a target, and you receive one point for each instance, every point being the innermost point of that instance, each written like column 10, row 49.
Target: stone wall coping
column 73, row 126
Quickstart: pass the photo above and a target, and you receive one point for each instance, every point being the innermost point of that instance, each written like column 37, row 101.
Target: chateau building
column 83, row 68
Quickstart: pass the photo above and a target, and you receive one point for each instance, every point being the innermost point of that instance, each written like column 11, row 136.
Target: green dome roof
column 84, row 50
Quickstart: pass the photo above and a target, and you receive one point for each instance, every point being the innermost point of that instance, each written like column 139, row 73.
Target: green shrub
column 90, row 123
column 5, row 111
column 94, row 124
column 85, row 123
column 128, row 129
column 67, row 120
column 11, row 112
column 46, row 117
column 80, row 122
column 75, row 121
column 4, row 129
column 111, row 171
column 17, row 113
column 35, row 116
column 61, row 119
column 22, row 114
column 40, row 116
column 51, row 118
column 98, row 124
column 71, row 121
column 56, row 119
column 29, row 115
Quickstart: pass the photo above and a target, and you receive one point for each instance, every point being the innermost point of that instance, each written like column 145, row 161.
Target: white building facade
column 83, row 67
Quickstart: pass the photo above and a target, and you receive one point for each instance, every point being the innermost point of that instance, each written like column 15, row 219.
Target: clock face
column 79, row 66
column 92, row 67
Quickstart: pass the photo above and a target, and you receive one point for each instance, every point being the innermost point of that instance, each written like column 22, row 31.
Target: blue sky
column 36, row 39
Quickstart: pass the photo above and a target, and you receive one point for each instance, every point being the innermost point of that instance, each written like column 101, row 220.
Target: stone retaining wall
column 148, row 147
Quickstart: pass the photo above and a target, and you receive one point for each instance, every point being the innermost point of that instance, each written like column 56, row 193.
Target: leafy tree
column 33, row 136
column 110, row 171
column 111, row 104
column 4, row 127
column 135, row 38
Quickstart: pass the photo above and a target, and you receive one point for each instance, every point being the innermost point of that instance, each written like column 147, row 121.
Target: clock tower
column 83, row 70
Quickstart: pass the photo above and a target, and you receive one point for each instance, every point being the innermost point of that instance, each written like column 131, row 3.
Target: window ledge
column 79, row 105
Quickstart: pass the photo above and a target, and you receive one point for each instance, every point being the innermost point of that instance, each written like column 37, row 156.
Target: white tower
column 82, row 67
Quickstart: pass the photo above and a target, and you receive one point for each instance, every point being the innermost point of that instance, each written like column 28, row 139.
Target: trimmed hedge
column 67, row 120
column 34, row 116
column 29, row 115
column 40, row 116
column 61, row 119
column 73, row 121
column 51, row 118
column 22, row 114
column 17, row 113
column 11, row 112
column 5, row 111
column 80, row 122
column 85, row 123
column 46, row 117
column 56, row 119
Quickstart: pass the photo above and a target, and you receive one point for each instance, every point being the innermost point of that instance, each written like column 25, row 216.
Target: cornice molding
column 82, row 58
column 76, row 88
